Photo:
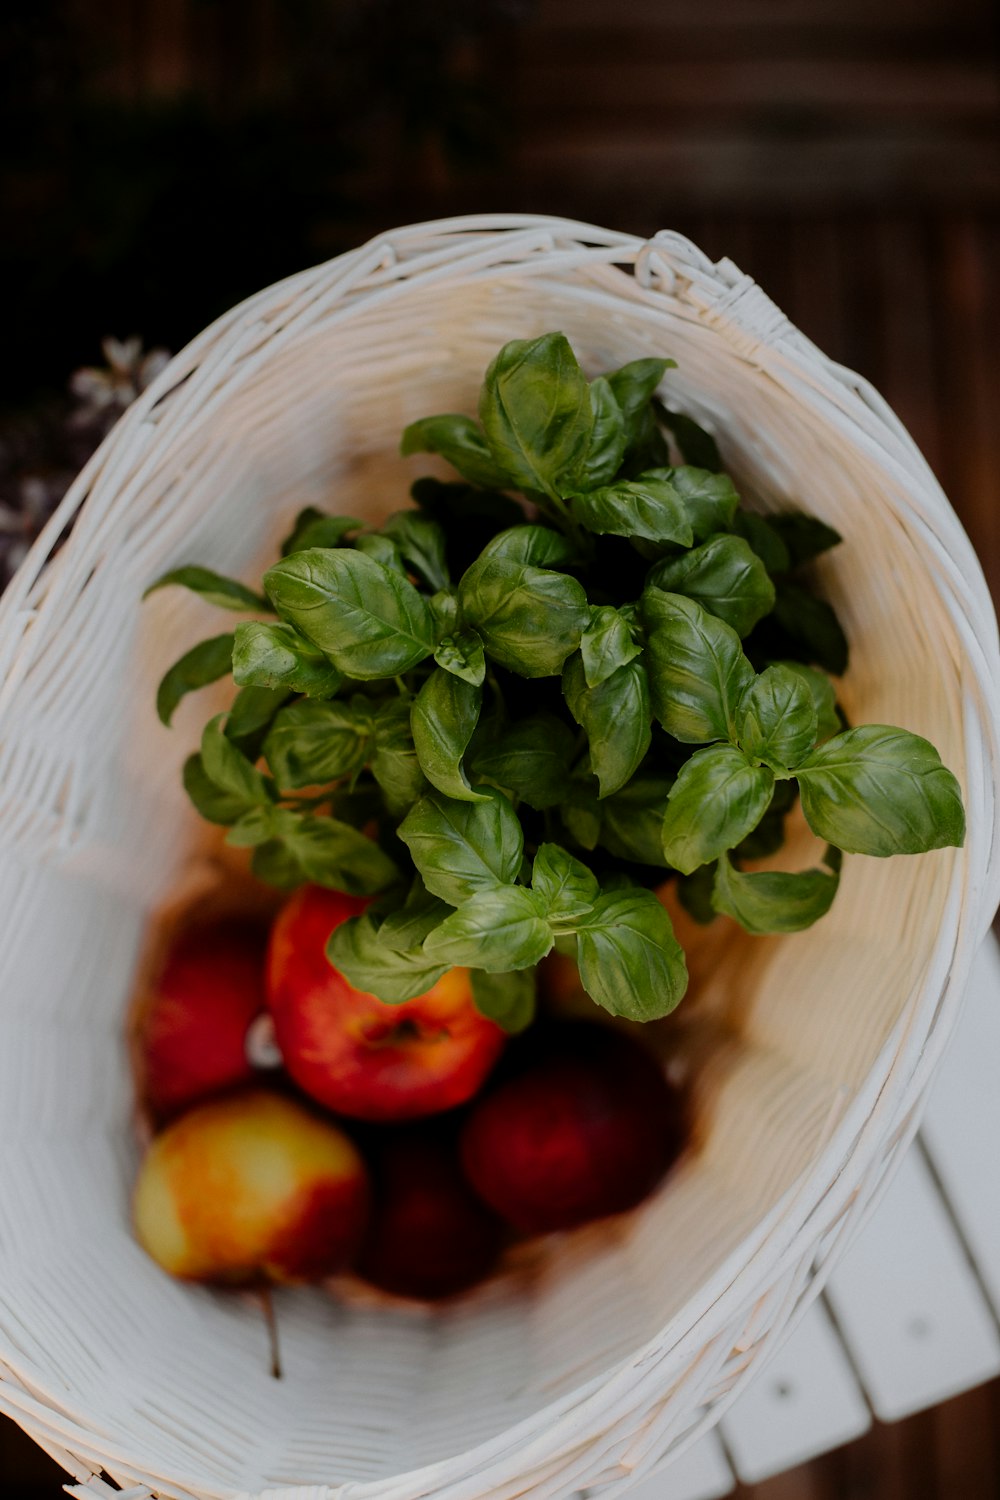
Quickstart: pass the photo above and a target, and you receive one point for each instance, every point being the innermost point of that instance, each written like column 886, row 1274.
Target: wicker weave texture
column 594, row 1365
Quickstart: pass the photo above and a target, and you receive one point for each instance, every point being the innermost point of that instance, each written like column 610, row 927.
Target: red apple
column 191, row 1029
column 583, row 1124
column 251, row 1187
column 355, row 1054
column 429, row 1235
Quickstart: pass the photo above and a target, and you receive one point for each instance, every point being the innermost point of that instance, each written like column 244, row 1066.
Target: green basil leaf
column 772, row 901
column 824, row 697
column 648, row 448
column 370, row 621
column 275, row 865
column 879, row 790
column 460, row 848
column 310, row 744
column 812, row 626
column 405, row 929
column 421, row 542
column 228, row 767
column 697, row 669
column 443, row 717
column 315, row 528
column 769, row 835
column 630, row 962
column 632, row 820
column 463, row 655
column 355, row 949
column 529, row 761
column 648, row 506
column 334, row 854
column 608, row 438
column 250, row 717
column 255, row 827
column 697, row 445
column 726, row 578
column 212, row 587
column 804, row 536
column 538, row 546
column 395, row 765
column 710, row 500
column 381, row 549
column 764, row 540
column 633, row 386
column 278, row 657
column 459, row 440
column 717, row 799
column 536, row 414
column 606, row 644
column 213, row 803
column 530, row 619
column 567, row 888
column 204, row 663
column 776, row 720
column 444, row 608
column 582, row 822
column 508, row 999
column 694, row 892
column 496, row 930
column 616, row 717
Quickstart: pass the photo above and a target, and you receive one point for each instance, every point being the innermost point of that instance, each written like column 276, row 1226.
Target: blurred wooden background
column 843, row 152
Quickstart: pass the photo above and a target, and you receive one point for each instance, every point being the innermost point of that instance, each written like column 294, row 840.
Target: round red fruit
column 191, row 1028
column 583, row 1125
column 352, row 1052
column 429, row 1235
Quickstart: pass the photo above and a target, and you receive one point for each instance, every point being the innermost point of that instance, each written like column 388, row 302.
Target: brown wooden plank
column 965, row 1445
column 112, row 38
column 673, row 85
column 909, row 375
column 816, row 303
column 637, row 169
column 164, row 43
column 803, row 1483
column 755, row 15
column 969, row 313
column 619, row 41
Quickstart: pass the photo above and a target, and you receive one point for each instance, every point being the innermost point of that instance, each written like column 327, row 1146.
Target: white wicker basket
column 620, row 1346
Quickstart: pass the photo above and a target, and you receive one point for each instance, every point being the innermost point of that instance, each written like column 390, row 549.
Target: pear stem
column 271, row 1324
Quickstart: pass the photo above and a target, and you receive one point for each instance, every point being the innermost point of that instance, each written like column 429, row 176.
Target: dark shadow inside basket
column 782, row 1033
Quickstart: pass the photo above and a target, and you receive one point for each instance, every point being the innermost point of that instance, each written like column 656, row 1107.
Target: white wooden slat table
column 910, row 1316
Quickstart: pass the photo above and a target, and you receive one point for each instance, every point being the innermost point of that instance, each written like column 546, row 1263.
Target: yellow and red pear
column 251, row 1187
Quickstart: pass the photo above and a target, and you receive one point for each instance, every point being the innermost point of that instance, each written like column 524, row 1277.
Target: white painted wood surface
column 909, row 1304
column 804, row 1401
column 701, row 1473
column 910, row 1316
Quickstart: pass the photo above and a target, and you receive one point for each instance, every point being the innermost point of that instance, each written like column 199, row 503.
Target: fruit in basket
column 429, row 1235
column 190, row 1031
column 582, row 1124
column 251, row 1187
column 355, row 1054
column 632, row 682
